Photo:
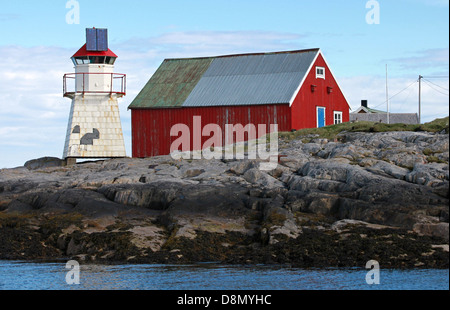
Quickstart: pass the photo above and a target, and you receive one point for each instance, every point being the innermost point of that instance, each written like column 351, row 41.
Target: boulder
column 44, row 162
column 258, row 177
column 241, row 166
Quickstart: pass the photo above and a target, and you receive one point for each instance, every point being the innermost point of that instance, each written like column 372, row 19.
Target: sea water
column 16, row 275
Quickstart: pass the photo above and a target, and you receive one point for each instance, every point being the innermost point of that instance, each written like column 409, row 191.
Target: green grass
column 331, row 132
column 434, row 159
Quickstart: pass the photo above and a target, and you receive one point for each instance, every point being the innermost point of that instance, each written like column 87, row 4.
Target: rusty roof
column 172, row 83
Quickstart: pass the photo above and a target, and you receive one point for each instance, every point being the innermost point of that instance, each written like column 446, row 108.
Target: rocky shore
column 330, row 203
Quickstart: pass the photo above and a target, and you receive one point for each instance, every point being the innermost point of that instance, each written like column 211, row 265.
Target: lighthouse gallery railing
column 117, row 84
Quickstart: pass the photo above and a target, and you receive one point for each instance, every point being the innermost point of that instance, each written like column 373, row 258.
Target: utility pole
column 420, row 98
column 387, row 95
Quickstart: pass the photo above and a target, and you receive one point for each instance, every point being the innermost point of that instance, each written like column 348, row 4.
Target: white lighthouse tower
column 94, row 129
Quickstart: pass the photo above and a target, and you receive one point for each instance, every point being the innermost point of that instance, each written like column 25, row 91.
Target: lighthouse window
column 81, row 60
column 93, row 60
column 97, row 59
column 110, row 60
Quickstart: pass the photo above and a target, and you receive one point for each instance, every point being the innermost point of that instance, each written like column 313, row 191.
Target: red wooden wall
column 151, row 127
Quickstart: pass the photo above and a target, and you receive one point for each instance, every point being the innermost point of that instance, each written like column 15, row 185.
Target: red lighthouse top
column 96, row 50
column 84, row 52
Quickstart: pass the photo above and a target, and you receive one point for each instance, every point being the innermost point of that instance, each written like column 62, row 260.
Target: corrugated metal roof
column 251, row 79
column 248, row 79
column 244, row 89
column 172, row 83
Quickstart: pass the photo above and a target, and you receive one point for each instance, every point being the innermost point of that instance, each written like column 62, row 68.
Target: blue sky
column 36, row 43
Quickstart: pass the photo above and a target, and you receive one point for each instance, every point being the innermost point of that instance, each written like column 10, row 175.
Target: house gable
column 314, row 92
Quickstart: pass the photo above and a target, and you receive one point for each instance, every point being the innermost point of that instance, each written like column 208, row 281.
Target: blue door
column 320, row 117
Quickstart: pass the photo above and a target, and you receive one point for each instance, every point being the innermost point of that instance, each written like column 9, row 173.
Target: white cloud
column 32, row 109
column 212, row 43
column 430, row 60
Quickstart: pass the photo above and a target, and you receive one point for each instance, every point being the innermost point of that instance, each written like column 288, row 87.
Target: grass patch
column 58, row 222
column 13, row 220
column 434, row 159
column 331, row 132
column 427, row 152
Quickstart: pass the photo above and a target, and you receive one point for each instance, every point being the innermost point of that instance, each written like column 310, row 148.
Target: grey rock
column 44, row 162
column 241, row 166
column 281, row 223
column 326, row 170
column 193, row 172
column 428, row 174
column 18, row 207
column 402, row 157
column 322, row 203
column 388, row 169
column 256, row 176
column 436, row 230
column 342, row 224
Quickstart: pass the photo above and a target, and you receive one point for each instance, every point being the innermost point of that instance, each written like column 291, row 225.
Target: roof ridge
column 250, row 54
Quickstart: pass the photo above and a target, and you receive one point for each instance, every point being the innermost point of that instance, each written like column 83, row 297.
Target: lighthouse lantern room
column 94, row 129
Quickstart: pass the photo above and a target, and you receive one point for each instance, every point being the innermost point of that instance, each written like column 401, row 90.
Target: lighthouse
column 94, row 129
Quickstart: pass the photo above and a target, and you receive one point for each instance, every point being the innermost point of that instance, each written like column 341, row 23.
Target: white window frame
column 337, row 113
column 319, row 75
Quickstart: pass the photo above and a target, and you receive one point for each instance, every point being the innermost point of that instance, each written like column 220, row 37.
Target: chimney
column 364, row 103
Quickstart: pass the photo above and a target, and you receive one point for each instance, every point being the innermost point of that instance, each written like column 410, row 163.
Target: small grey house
column 364, row 113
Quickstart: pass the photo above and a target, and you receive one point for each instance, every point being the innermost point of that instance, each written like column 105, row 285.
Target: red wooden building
column 294, row 90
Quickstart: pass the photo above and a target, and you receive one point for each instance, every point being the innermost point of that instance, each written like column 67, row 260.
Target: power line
column 406, row 99
column 397, row 93
column 437, row 85
column 435, row 88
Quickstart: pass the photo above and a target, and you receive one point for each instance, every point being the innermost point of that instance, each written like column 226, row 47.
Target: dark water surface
column 16, row 275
